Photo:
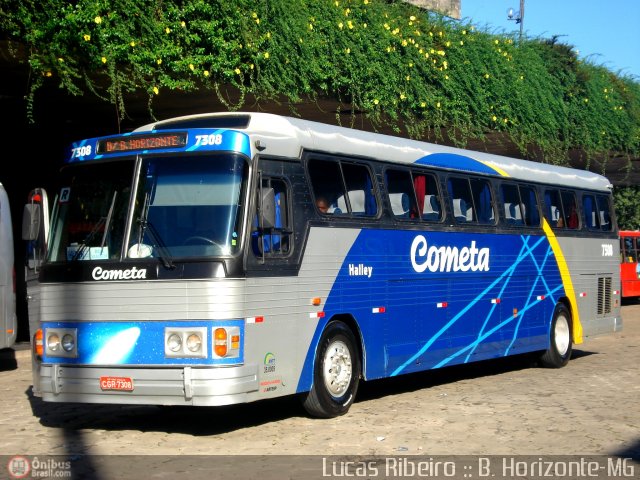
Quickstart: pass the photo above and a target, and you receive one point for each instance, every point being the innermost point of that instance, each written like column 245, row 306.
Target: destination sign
column 142, row 142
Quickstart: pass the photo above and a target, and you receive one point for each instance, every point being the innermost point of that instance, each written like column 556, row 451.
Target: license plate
column 122, row 384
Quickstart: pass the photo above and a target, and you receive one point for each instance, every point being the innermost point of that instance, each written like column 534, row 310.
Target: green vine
column 627, row 211
column 421, row 73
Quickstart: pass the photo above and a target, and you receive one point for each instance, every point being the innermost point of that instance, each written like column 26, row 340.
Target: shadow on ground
column 8, row 360
column 205, row 421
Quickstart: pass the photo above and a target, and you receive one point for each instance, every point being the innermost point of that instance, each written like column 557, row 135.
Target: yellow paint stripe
column 566, row 280
column 497, row 169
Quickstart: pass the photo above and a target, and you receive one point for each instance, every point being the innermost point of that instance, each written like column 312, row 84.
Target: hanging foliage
column 396, row 63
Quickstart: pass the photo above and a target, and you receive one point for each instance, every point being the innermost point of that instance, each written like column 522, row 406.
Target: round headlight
column 174, row 342
column 68, row 343
column 53, row 342
column 194, row 342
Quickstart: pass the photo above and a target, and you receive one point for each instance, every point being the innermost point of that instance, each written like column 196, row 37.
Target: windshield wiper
column 146, row 225
column 106, row 221
column 163, row 251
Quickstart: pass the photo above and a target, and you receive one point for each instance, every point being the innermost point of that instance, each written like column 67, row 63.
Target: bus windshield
column 185, row 207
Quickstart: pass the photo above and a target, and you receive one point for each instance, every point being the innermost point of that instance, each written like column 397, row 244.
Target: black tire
column 560, row 339
column 336, row 373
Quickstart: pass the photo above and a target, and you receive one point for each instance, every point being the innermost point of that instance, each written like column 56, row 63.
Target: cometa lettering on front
column 447, row 258
column 132, row 273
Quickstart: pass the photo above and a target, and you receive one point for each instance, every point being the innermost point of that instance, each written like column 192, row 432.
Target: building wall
column 450, row 8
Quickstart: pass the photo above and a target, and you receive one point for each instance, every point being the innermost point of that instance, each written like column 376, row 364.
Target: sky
column 606, row 32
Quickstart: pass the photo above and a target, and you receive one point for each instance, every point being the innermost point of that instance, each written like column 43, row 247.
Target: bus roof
column 288, row 136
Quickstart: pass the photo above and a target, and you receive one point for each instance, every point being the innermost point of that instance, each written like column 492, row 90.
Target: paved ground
column 511, row 407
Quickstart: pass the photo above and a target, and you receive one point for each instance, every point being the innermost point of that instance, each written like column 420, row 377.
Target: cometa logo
column 132, row 273
column 448, row 259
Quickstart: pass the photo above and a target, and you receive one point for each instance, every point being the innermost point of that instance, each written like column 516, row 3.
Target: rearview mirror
column 31, row 221
column 268, row 209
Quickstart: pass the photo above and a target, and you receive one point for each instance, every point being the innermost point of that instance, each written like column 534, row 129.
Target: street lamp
column 518, row 16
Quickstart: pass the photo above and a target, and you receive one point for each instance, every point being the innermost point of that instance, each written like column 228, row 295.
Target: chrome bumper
column 151, row 386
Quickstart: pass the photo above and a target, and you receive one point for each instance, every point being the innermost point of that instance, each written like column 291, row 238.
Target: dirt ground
column 506, row 407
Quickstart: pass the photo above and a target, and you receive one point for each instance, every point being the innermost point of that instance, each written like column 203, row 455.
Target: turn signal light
column 38, row 348
column 227, row 342
column 220, row 342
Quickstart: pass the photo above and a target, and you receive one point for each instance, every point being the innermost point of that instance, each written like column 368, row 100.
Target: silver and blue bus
column 232, row 257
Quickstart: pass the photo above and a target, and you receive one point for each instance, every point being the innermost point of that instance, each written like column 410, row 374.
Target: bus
column 226, row 258
column 629, row 267
column 8, row 319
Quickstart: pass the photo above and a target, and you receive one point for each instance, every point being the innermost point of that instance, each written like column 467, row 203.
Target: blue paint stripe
column 456, row 162
column 494, row 306
column 491, row 332
column 448, row 325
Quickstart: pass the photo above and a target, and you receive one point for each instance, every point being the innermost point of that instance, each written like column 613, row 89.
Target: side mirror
column 31, row 221
column 268, row 209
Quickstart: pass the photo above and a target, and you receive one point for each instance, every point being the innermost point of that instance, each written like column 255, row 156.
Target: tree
column 626, row 201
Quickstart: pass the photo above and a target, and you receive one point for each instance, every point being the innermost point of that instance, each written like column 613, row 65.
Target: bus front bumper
column 150, row 386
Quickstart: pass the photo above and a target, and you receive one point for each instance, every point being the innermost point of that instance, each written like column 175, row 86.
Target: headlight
column 68, row 343
column 185, row 342
column 174, row 342
column 61, row 342
column 53, row 342
column 194, row 342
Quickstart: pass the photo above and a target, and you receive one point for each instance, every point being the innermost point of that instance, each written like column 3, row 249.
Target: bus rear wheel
column 336, row 373
column 560, row 345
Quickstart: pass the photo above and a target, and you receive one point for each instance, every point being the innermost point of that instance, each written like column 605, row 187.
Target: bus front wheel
column 560, row 345
column 336, row 373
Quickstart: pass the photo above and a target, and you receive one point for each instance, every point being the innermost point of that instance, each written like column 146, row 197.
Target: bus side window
column 274, row 241
column 427, row 194
column 347, row 188
column 520, row 205
column 630, row 253
column 483, row 201
column 570, row 210
column 461, row 200
column 529, row 206
column 604, row 213
column 553, row 209
column 511, row 202
column 401, row 195
column 326, row 181
column 362, row 198
column 591, row 217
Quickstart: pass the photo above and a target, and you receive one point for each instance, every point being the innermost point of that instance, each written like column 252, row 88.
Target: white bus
column 227, row 258
column 8, row 319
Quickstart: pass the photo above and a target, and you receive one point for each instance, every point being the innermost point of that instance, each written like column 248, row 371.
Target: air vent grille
column 604, row 295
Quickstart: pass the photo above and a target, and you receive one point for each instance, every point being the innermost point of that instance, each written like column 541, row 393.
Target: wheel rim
column 562, row 335
column 337, row 368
